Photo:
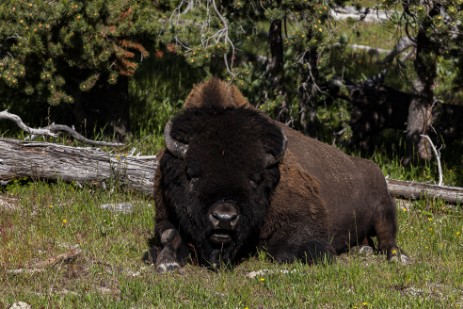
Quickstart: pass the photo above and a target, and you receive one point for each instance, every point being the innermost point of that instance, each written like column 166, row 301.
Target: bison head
column 219, row 170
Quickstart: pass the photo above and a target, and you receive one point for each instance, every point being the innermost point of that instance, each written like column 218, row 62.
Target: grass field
column 60, row 249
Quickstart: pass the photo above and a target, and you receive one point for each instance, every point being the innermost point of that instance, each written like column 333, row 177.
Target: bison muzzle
column 223, row 217
column 232, row 181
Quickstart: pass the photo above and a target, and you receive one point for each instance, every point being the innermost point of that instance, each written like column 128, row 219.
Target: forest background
column 359, row 74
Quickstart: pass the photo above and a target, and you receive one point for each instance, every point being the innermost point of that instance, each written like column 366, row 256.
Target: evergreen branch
column 130, row 44
column 125, row 66
column 125, row 14
column 122, row 52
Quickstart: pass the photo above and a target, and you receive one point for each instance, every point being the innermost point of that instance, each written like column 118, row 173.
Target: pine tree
column 57, row 51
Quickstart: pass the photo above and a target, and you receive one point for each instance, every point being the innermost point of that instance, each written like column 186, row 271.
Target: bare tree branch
column 403, row 44
column 222, row 35
column 60, row 127
column 51, row 131
column 43, row 132
column 436, row 153
column 224, row 32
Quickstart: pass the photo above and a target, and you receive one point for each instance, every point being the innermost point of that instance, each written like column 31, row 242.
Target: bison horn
column 271, row 159
column 175, row 147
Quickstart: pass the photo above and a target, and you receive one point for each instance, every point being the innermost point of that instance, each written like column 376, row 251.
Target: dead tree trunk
column 308, row 90
column 420, row 111
column 415, row 190
column 39, row 160
column 275, row 69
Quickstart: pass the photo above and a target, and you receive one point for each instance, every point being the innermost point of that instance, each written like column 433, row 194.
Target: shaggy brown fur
column 353, row 190
column 215, row 90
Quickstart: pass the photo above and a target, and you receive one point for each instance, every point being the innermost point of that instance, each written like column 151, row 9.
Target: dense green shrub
column 56, row 51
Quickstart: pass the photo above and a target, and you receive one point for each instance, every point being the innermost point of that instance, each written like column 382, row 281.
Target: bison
column 232, row 181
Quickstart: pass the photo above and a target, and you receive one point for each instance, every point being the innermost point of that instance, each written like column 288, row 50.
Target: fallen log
column 417, row 190
column 41, row 160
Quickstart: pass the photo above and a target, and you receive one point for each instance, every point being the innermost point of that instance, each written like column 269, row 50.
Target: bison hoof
column 397, row 257
column 402, row 259
column 366, row 250
column 167, row 267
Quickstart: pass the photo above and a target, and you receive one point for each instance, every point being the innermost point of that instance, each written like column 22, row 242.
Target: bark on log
column 416, row 190
column 39, row 160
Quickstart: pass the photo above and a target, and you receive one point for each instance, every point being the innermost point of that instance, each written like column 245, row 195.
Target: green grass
column 375, row 35
column 109, row 272
column 156, row 92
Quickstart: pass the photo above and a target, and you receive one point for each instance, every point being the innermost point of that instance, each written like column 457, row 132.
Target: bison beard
column 226, row 185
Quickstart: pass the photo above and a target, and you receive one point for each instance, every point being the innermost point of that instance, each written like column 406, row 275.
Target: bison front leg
column 168, row 259
column 172, row 254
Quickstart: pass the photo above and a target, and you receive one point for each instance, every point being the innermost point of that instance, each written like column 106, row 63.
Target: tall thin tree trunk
column 275, row 68
column 308, row 89
column 419, row 119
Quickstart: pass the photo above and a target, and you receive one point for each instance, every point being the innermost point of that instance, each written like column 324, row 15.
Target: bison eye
column 255, row 180
column 193, row 182
column 253, row 184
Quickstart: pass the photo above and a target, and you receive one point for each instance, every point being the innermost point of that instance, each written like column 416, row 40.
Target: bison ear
column 277, row 149
column 174, row 146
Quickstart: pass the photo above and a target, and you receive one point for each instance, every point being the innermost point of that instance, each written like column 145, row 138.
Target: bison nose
column 224, row 216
